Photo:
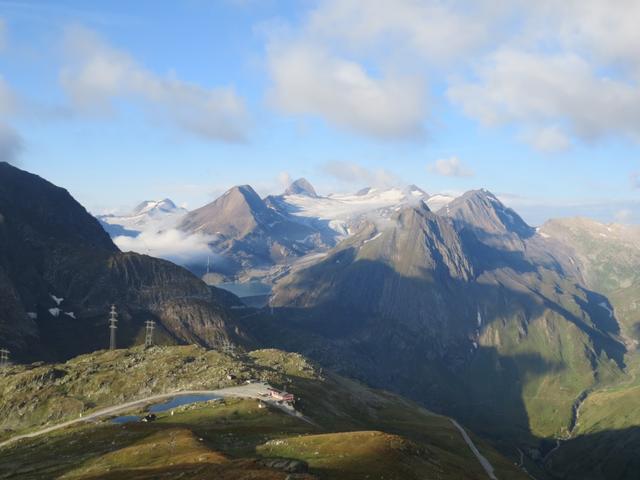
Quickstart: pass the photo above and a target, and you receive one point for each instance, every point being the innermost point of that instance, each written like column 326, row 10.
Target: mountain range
column 521, row 333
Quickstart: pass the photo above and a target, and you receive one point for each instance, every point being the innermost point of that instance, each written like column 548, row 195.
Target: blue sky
column 124, row 101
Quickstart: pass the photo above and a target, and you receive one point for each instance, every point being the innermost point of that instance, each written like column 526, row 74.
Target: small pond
column 168, row 405
column 126, row 419
column 179, row 401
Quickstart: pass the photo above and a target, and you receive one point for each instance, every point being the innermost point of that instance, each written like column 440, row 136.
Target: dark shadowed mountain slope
column 425, row 306
column 60, row 272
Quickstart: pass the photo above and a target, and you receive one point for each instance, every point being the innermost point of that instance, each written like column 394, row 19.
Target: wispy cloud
column 450, row 167
column 354, row 174
column 11, row 144
column 96, row 75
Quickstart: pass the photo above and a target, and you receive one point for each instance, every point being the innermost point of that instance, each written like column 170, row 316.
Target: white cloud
column 538, row 90
column 354, row 174
column 548, row 139
column 11, row 144
column 606, row 30
column 450, row 167
column 8, row 100
column 307, row 79
column 173, row 245
column 557, row 71
column 433, row 30
column 96, row 75
column 284, row 179
column 635, row 180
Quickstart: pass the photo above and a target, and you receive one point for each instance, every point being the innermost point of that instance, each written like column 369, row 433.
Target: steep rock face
column 60, row 272
column 248, row 233
column 479, row 319
column 235, row 214
column 495, row 235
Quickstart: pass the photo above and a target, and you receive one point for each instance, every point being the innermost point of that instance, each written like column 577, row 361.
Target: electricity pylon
column 113, row 326
column 228, row 347
column 148, row 338
column 4, row 357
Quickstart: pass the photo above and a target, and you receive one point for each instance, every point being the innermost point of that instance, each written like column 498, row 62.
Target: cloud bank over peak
column 175, row 245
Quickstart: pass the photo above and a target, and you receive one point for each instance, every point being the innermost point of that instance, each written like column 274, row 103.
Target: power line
column 113, row 326
column 148, row 339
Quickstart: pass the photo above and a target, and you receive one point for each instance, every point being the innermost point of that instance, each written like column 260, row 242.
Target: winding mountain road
column 252, row 390
column 486, row 465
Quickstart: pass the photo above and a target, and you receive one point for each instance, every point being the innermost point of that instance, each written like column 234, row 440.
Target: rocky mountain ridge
column 60, row 272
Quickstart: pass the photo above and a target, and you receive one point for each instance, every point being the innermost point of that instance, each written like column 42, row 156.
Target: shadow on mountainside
column 609, row 454
column 420, row 337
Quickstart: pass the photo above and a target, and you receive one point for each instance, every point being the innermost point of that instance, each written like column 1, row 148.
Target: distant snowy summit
column 301, row 187
column 150, row 215
column 244, row 231
column 155, row 207
column 339, row 212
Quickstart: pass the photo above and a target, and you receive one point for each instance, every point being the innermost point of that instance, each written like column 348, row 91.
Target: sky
column 121, row 102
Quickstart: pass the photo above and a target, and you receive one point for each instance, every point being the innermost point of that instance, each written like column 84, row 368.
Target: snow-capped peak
column 154, row 215
column 148, row 206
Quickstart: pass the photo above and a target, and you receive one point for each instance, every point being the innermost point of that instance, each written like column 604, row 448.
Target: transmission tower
column 148, row 339
column 4, row 357
column 228, row 347
column 113, row 326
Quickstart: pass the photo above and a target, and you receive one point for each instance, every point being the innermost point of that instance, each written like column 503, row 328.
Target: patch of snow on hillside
column 372, row 238
column 56, row 299
column 436, row 202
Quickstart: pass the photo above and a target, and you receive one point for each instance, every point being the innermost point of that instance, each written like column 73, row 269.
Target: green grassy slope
column 360, row 432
